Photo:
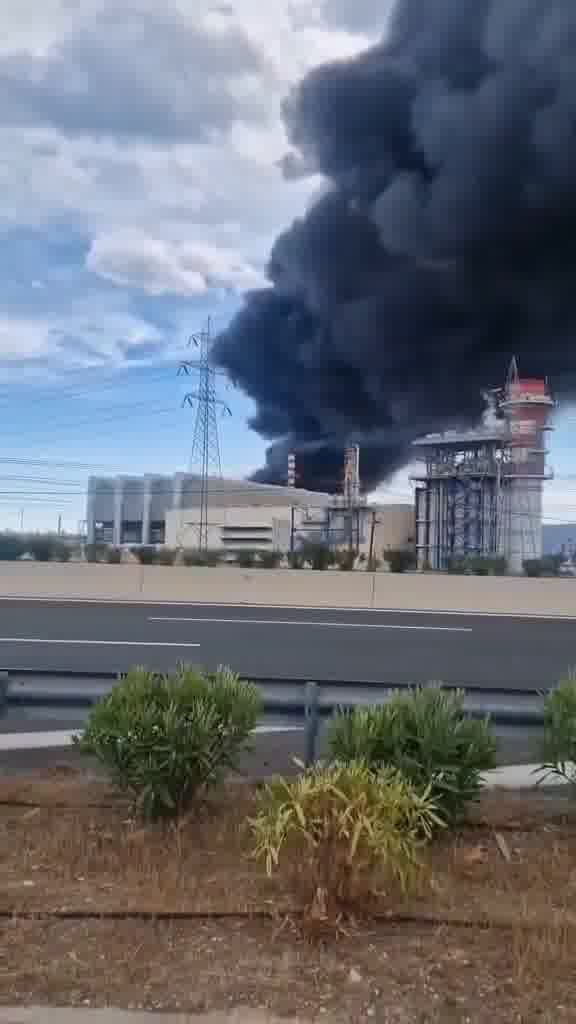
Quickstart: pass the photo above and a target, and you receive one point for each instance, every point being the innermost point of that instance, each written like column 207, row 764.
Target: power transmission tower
column 205, row 455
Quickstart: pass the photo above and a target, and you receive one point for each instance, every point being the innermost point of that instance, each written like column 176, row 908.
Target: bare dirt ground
column 490, row 936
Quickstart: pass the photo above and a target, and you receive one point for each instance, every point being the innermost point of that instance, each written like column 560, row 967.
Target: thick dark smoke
column 444, row 243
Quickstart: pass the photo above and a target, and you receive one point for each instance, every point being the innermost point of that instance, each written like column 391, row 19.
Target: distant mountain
column 554, row 538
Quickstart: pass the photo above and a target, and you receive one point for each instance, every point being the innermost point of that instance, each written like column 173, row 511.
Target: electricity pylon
column 205, row 454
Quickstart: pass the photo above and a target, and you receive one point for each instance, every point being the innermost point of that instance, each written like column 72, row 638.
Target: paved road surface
column 295, row 643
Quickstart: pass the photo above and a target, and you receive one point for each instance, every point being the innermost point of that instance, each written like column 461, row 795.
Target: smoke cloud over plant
column 443, row 243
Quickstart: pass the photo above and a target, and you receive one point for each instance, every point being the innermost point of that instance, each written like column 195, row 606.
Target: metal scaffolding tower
column 205, row 454
column 479, row 492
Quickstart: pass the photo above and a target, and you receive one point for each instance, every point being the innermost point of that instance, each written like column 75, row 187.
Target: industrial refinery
column 479, row 493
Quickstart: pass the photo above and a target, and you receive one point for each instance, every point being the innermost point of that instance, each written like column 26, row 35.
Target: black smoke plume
column 444, row 243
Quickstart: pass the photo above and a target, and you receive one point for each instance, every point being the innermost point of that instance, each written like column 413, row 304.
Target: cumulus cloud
column 133, row 71
column 358, row 15
column 159, row 267
column 150, row 134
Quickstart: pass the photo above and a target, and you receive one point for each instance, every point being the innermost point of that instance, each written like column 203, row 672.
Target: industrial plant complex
column 478, row 493
column 242, row 515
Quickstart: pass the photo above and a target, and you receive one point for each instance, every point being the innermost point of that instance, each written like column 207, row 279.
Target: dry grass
column 400, row 975
column 513, row 871
column 63, row 858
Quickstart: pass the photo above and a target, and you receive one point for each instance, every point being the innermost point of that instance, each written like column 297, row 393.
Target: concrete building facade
column 156, row 510
column 165, row 510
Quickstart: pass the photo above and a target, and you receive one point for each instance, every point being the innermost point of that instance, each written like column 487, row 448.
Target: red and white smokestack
column 291, row 470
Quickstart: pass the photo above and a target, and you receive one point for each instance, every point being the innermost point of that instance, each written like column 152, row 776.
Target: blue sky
column 140, row 192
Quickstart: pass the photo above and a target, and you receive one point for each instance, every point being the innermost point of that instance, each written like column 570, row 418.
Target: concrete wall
column 233, row 527
column 284, row 588
column 395, row 528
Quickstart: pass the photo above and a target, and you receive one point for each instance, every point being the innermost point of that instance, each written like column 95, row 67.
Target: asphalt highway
column 320, row 644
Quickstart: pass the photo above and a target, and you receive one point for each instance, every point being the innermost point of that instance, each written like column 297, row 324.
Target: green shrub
column 339, row 830
column 12, row 547
column 113, row 556
column 146, row 555
column 426, row 735
column 270, row 559
column 548, row 565
column 558, row 748
column 400, row 559
column 165, row 556
column 477, row 565
column 208, row 558
column 296, row 560
column 166, row 739
column 345, row 560
column 62, row 551
column 317, row 555
column 246, row 559
column 96, row 552
column 41, row 547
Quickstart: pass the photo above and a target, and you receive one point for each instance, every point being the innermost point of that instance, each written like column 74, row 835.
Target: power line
column 56, row 393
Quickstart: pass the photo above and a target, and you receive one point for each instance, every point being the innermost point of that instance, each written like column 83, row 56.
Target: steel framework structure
column 480, row 492
column 205, row 455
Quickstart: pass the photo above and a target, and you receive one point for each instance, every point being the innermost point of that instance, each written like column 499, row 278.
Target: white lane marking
column 52, row 740
column 299, row 622
column 135, row 602
column 101, row 643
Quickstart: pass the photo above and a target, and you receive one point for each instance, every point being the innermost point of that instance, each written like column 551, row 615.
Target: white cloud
column 160, row 267
column 153, row 132
column 82, row 338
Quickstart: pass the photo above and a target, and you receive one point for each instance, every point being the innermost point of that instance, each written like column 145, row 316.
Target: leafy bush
column 209, row 558
column 145, row 555
column 558, row 749
column 317, row 555
column 345, row 560
column 270, row 559
column 42, row 548
column 296, row 560
column 165, row 739
column 62, row 551
column 96, row 552
column 339, row 830
column 477, row 565
column 12, row 547
column 426, row 735
column 400, row 559
column 549, row 565
column 532, row 567
column 114, row 556
column 484, row 565
column 246, row 559
column 165, row 556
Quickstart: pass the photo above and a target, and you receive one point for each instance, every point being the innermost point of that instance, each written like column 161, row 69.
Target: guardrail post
column 312, row 723
column 4, row 681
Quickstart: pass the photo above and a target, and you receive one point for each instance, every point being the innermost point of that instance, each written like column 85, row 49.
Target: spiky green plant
column 340, row 830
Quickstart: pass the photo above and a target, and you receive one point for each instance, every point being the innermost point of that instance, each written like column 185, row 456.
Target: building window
column 103, row 532
column 157, row 531
column 131, row 531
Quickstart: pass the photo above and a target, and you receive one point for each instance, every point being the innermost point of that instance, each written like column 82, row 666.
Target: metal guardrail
column 307, row 700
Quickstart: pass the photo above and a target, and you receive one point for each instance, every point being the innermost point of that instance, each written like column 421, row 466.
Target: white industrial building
column 242, row 515
column 150, row 509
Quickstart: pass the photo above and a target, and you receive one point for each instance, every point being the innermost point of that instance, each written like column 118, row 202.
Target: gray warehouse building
column 151, row 509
